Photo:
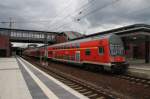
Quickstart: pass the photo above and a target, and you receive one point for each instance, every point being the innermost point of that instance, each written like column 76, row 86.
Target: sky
column 84, row 16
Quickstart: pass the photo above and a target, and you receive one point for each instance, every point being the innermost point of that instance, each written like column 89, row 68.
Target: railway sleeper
column 78, row 88
column 93, row 67
column 92, row 95
column 87, row 92
column 101, row 97
column 82, row 90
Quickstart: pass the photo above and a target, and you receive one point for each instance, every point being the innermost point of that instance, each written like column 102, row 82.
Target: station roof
column 122, row 30
column 28, row 30
column 72, row 35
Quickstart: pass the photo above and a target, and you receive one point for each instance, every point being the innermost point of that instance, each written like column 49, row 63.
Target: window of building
column 101, row 50
column 87, row 52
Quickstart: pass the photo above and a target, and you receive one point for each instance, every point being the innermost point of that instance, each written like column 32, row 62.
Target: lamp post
column 45, row 50
column 147, row 49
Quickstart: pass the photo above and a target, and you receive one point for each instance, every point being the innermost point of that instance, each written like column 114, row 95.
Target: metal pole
column 9, row 34
column 147, row 49
column 46, row 51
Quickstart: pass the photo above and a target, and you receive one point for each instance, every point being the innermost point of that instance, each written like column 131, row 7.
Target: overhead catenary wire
column 93, row 11
column 49, row 20
column 36, row 21
column 39, row 21
column 76, row 12
column 79, row 11
column 65, row 16
column 100, row 8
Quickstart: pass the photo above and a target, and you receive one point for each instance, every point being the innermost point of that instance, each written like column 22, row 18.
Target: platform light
column 134, row 38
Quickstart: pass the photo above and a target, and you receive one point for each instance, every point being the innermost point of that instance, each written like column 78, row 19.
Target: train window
column 101, row 50
column 116, row 49
column 65, row 46
column 70, row 45
column 87, row 52
column 50, row 52
column 77, row 45
column 73, row 45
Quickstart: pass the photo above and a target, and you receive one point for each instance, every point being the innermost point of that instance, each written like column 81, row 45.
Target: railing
column 28, row 35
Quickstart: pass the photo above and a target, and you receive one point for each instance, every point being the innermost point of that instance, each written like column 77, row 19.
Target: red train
column 99, row 52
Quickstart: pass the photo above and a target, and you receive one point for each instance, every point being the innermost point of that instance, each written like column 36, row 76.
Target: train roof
column 85, row 39
column 118, row 31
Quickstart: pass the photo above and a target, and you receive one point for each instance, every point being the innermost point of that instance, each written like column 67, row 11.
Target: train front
column 117, row 56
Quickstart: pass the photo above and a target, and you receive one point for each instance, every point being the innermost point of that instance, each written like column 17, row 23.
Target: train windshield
column 116, row 46
column 116, row 49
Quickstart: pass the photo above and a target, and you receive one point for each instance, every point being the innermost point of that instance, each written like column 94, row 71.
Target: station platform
column 139, row 69
column 21, row 80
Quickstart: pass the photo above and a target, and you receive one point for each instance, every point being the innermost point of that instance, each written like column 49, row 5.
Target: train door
column 77, row 56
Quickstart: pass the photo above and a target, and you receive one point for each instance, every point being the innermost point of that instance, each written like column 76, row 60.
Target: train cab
column 117, row 57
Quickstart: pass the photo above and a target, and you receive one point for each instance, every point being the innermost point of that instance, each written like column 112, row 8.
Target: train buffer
column 21, row 80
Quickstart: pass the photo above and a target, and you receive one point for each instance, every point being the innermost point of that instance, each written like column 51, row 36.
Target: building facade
column 5, row 46
column 66, row 36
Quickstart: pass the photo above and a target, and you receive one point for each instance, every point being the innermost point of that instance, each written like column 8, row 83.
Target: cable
column 97, row 9
column 22, row 22
column 76, row 11
column 100, row 8
column 83, row 6
column 34, row 21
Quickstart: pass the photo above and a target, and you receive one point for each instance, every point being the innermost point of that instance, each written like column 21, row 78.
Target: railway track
column 94, row 89
column 83, row 87
column 135, row 80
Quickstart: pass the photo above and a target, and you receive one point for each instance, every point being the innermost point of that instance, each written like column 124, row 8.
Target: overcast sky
column 85, row 16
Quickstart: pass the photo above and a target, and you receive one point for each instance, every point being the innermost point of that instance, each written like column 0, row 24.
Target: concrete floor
column 139, row 68
column 12, row 84
column 22, row 80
